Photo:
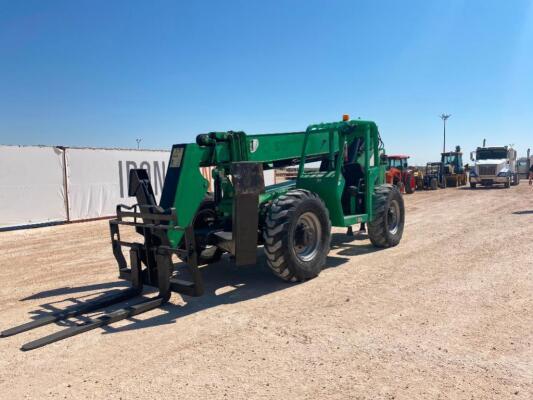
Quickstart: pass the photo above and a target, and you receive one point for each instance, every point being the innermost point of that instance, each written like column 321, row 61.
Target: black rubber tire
column 507, row 184
column 443, row 184
column 401, row 187
column 420, row 184
column 408, row 181
column 473, row 185
column 280, row 225
column 212, row 254
column 434, row 184
column 378, row 229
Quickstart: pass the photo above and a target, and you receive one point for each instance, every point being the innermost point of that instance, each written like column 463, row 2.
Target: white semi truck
column 494, row 165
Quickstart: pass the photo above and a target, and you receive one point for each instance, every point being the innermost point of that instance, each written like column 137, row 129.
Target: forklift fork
column 155, row 254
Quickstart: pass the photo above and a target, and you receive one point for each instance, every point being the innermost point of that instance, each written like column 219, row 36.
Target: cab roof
column 398, row 157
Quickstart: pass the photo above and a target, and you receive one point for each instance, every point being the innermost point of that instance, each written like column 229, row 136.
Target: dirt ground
column 446, row 314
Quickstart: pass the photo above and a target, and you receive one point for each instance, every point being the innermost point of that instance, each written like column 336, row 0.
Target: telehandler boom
column 292, row 220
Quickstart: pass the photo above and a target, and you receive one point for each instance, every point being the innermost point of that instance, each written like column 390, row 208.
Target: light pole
column 138, row 142
column 444, row 117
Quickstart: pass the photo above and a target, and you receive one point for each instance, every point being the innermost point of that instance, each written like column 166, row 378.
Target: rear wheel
column 297, row 235
column 472, row 185
column 409, row 183
column 389, row 217
column 420, row 183
column 434, row 184
column 400, row 185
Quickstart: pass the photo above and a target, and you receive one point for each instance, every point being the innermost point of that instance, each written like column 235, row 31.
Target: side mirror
column 383, row 158
column 472, row 156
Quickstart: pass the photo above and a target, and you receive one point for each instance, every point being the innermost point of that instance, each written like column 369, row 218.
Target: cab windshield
column 450, row 159
column 397, row 163
column 432, row 168
column 491, row 154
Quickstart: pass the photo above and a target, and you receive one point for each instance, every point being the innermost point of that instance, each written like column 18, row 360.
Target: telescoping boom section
column 340, row 182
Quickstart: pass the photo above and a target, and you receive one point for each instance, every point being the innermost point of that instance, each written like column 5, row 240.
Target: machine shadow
column 224, row 282
column 74, row 289
column 523, row 212
column 494, row 187
column 346, row 245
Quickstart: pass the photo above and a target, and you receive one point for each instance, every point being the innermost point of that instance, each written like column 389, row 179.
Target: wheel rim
column 306, row 237
column 393, row 217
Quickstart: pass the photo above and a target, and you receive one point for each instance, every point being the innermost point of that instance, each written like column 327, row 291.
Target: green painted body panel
column 273, row 191
column 329, row 188
column 281, row 146
column 190, row 191
column 350, row 220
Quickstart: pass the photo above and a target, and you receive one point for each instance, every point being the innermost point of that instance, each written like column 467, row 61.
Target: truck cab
column 494, row 165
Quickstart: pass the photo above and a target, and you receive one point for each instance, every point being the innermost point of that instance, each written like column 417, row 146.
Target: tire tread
column 276, row 226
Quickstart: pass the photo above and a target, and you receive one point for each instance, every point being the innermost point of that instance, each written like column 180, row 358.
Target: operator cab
column 398, row 162
column 354, row 177
column 353, row 174
column 453, row 160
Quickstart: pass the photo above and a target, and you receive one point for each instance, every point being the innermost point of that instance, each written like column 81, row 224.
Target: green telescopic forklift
column 292, row 220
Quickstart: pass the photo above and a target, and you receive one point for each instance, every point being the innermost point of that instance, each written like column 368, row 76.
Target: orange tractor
column 399, row 174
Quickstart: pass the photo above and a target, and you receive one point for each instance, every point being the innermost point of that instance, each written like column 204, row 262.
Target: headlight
column 503, row 173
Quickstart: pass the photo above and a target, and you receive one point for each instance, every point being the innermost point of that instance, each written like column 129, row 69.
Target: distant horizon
column 141, row 148
column 89, row 74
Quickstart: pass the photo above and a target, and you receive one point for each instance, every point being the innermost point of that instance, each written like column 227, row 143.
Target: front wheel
column 203, row 221
column 507, row 183
column 297, row 235
column 472, row 185
column 410, row 184
column 434, row 184
column 386, row 229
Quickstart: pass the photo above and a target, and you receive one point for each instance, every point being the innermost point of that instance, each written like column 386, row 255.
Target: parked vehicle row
column 491, row 166
column 449, row 171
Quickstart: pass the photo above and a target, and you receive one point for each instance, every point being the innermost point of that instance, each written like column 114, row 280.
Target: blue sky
column 102, row 73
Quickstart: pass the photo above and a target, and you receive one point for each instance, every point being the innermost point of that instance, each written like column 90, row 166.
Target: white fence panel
column 31, row 185
column 33, row 190
column 97, row 179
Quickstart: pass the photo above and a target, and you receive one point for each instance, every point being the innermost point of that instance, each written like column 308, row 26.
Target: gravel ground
column 446, row 314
